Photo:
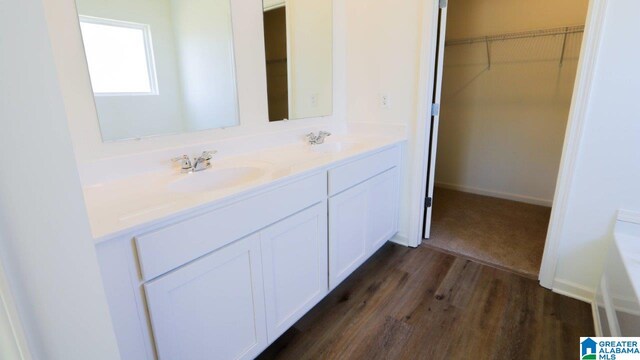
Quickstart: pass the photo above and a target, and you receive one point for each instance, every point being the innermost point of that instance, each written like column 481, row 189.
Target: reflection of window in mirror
column 120, row 57
column 160, row 67
column 275, row 39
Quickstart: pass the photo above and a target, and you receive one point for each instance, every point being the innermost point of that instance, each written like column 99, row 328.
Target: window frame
column 148, row 48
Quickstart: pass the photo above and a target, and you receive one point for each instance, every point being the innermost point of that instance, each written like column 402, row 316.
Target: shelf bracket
column 564, row 45
column 486, row 41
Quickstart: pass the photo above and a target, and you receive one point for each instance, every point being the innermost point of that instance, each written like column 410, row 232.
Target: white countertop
column 126, row 206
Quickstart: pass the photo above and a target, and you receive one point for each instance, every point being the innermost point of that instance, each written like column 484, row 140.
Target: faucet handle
column 324, row 133
column 181, row 158
column 207, row 155
column 185, row 162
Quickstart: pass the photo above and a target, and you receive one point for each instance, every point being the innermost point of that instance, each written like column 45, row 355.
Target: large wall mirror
column 298, row 45
column 160, row 66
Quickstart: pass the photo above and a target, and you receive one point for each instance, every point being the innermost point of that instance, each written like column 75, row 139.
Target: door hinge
column 443, row 4
column 428, row 202
column 435, row 109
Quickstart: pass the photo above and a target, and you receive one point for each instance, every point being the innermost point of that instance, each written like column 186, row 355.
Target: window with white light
column 120, row 57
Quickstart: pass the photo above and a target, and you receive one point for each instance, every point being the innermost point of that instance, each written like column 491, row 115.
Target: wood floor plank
column 385, row 339
column 425, row 304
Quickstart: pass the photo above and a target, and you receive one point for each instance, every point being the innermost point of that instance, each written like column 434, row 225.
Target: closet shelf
column 487, row 40
column 518, row 35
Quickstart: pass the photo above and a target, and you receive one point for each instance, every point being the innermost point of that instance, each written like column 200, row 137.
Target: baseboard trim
column 496, row 194
column 573, row 290
column 400, row 239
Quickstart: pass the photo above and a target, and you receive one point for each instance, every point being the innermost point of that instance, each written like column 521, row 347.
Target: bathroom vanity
column 197, row 272
column 215, row 258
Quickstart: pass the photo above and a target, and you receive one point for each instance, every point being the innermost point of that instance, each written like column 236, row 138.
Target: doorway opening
column 507, row 79
column 275, row 43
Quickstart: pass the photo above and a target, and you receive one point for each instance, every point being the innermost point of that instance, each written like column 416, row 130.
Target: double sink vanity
column 214, row 256
column 219, row 263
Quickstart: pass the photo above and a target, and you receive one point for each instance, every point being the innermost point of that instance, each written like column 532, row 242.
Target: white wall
column 310, row 48
column 384, row 41
column 502, row 127
column 125, row 117
column 204, row 42
column 607, row 167
column 45, row 240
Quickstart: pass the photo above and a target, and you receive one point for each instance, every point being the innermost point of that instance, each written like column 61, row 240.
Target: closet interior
column 508, row 77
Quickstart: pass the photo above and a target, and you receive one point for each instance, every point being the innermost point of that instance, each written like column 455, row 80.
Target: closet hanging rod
column 518, row 35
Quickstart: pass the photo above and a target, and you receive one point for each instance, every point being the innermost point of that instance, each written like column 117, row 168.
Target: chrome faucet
column 199, row 163
column 317, row 139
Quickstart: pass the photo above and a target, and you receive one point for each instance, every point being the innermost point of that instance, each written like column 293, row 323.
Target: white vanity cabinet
column 347, row 233
column 228, row 303
column 383, row 206
column 226, row 280
column 212, row 308
column 363, row 217
column 294, row 260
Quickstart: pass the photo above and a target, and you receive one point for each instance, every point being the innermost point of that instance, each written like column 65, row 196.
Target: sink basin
column 216, row 179
column 332, row 147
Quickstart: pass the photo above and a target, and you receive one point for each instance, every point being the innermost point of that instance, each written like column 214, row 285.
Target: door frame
column 421, row 145
column 582, row 91
column 572, row 143
column 434, row 118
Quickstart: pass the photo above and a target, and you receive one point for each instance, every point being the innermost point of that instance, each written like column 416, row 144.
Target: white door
column 347, row 233
column 294, row 259
column 382, row 209
column 435, row 117
column 212, row 308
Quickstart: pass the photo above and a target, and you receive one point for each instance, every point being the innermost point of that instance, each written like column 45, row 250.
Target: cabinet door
column 382, row 209
column 294, row 259
column 212, row 308
column 347, row 233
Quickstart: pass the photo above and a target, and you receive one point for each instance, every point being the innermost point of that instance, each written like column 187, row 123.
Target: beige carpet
column 506, row 234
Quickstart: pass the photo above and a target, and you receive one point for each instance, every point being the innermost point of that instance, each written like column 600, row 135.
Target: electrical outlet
column 385, row 101
column 314, row 100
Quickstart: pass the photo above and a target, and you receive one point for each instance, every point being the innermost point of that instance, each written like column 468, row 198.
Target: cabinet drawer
column 173, row 246
column 348, row 175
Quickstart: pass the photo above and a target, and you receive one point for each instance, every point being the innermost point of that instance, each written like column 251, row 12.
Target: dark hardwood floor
column 424, row 304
